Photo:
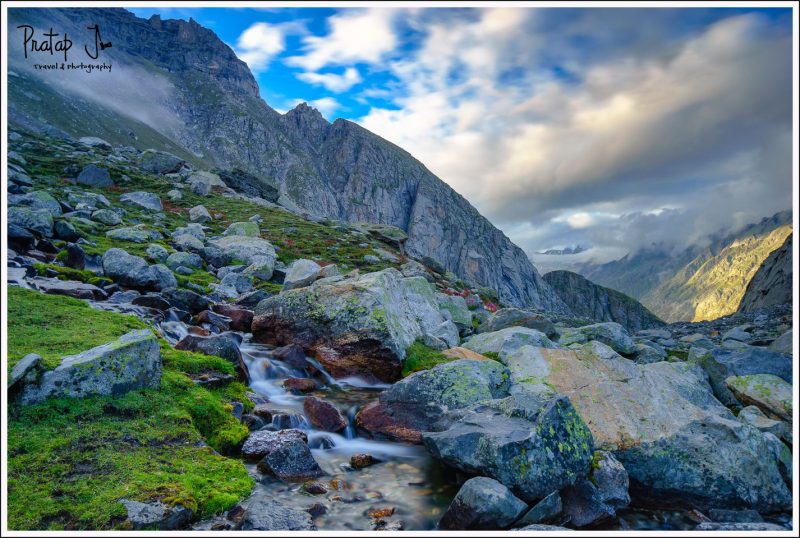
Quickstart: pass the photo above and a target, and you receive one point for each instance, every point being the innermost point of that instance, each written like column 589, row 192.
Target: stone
column 186, row 242
column 482, row 503
column 240, row 319
column 679, row 444
column 291, row 461
column 515, row 317
column 199, row 214
column 250, row 300
column 160, row 162
column 598, row 496
column 546, row 528
column 262, row 267
column 457, row 311
column 299, row 385
column 163, row 277
column 647, row 354
column 783, row 344
column 323, row 415
column 300, row 273
column 27, row 370
column 768, row 392
column 359, row 326
column 413, row 405
column 66, row 231
column 369, row 258
column 248, row 229
column 70, row 288
column 223, row 345
column 360, row 461
column 263, row 442
column 90, row 200
column 107, row 217
column 414, row 268
column 463, row 353
column 507, row 341
column 755, row 417
column 739, row 334
column 131, row 362
column 157, row 253
column 612, row 334
column 151, row 300
column 175, row 195
column 38, row 221
column 94, row 142
column 545, row 510
column 247, row 249
column 712, row 526
column 156, row 515
column 265, row 514
column 134, row 272
column 76, row 257
column 185, row 259
column 19, row 237
column 38, row 200
column 95, row 177
column 134, row 234
column 187, row 300
column 144, row 200
column 530, row 444
column 734, row 516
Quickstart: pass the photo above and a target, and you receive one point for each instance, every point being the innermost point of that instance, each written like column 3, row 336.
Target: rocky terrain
column 773, row 282
column 201, row 103
column 586, row 299
column 696, row 283
column 182, row 355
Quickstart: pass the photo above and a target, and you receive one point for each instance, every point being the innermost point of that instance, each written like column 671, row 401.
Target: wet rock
column 360, row 461
column 142, row 199
column 548, row 509
column 263, row 514
column 413, row 405
column 95, row 177
column 530, row 444
column 223, row 345
column 291, row 462
column 612, row 334
column 129, row 363
column 70, row 288
column 768, row 392
column 299, row 385
column 317, row 509
column 599, row 496
column 515, row 317
column 263, row 411
column 482, row 503
column 300, row 273
column 185, row 300
column 357, row 326
column 314, row 488
column 240, row 318
column 155, row 515
column 507, row 341
column 323, row 415
column 261, row 443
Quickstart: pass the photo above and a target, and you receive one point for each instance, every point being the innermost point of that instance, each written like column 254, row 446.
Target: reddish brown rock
column 323, row 415
column 293, row 355
column 241, row 318
column 262, row 411
column 380, row 421
column 359, row 461
column 299, row 385
column 198, row 331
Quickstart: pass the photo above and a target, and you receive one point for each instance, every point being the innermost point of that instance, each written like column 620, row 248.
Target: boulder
column 76, row 257
column 240, row 319
column 612, row 334
column 38, row 221
column 263, row 442
column 293, row 355
column 415, row 404
column 95, row 177
column 156, row 515
column 66, row 230
column 107, row 217
column 507, row 341
column 482, row 503
column 144, row 200
column 94, row 142
column 134, row 234
column 291, row 461
column 300, row 273
column 157, row 253
column 244, row 248
column 455, row 309
column 185, row 259
column 299, row 385
column 515, row 317
column 248, row 229
column 70, row 288
column 160, row 162
column 224, row 345
column 323, row 415
column 356, row 326
column 755, row 417
column 187, row 300
column 768, row 392
column 134, row 272
column 264, row 514
column 783, row 344
column 598, row 496
column 199, row 214
column 679, row 444
column 131, row 362
column 548, row 509
column 261, row 267
column 530, row 444
column 27, row 370
column 38, row 200
column 463, row 353
column 647, row 354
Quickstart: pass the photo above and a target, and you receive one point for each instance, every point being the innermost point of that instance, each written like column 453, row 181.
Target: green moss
column 421, row 357
column 680, row 354
column 68, row 273
column 492, row 355
column 198, row 277
column 72, row 460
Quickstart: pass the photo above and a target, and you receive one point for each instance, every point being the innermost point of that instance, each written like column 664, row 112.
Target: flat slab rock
column 156, row 515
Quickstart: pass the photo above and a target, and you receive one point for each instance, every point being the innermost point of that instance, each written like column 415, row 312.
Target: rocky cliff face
column 587, row 299
column 698, row 283
column 210, row 112
column 772, row 283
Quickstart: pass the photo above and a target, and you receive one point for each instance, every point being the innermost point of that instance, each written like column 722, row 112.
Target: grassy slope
column 71, row 460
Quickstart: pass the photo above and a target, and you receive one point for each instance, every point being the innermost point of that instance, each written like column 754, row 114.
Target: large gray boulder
column 159, row 162
column 356, row 326
column 264, row 514
column 248, row 229
column 38, row 200
column 529, row 444
column 507, row 341
column 301, row 273
column 679, row 444
column 156, row 515
column 454, row 308
column 134, row 272
column 134, row 234
column 413, row 405
column 770, row 393
column 38, row 221
column 610, row 333
column 516, row 317
column 131, row 362
column 142, row 199
column 598, row 496
column 244, row 248
column 95, row 177
column 482, row 503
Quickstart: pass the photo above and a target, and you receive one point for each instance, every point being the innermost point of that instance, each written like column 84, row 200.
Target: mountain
column 176, row 86
column 587, row 299
column 772, row 283
column 564, row 251
column 698, row 283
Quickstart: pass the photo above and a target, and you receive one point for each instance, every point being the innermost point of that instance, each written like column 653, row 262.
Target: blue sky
column 615, row 128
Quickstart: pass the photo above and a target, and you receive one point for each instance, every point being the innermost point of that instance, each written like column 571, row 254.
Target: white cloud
column 332, row 81
column 355, row 36
column 259, row 44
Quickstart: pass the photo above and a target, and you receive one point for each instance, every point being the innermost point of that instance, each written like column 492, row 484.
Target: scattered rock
column 323, row 415
column 299, row 385
column 712, row 526
column 612, row 334
column 199, row 214
column 240, row 318
column 360, row 461
column 599, row 496
column 134, row 272
column 223, row 345
column 134, row 234
column 463, row 353
column 160, row 162
column 70, row 288
column 107, row 217
column 38, row 221
column 300, row 273
column 291, row 461
column 145, row 200
column 507, row 341
column 515, row 317
column 263, row 442
column 770, row 393
column 248, row 229
column 482, row 503
column 246, row 249
column 155, row 515
column 545, row 510
column 95, row 177
column 187, row 300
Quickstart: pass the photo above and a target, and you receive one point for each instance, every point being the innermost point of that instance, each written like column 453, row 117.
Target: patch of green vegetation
column 198, row 277
column 421, row 357
column 680, row 354
column 492, row 355
column 68, row 273
column 72, row 460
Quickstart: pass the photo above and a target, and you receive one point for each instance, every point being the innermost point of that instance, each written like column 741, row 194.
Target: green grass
column 421, row 357
column 68, row 273
column 72, row 460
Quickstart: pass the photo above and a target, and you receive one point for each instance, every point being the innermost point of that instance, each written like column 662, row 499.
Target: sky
column 615, row 129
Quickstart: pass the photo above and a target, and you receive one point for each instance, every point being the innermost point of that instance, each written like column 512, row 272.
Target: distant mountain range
column 696, row 283
column 564, row 251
